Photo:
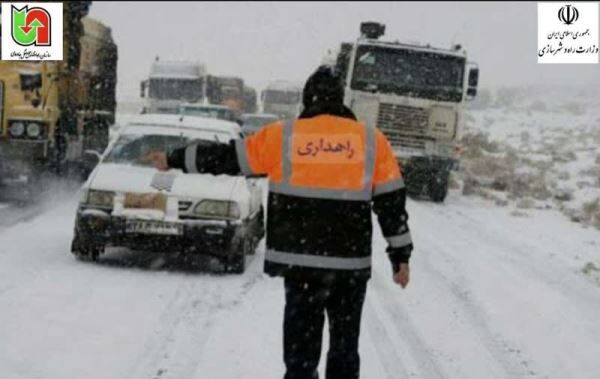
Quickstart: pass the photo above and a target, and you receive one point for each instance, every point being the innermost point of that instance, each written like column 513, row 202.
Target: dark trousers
column 306, row 303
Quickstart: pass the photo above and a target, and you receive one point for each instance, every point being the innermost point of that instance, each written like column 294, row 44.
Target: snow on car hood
column 176, row 185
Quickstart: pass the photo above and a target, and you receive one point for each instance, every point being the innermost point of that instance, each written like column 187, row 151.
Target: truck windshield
column 409, row 73
column 176, row 89
column 282, row 97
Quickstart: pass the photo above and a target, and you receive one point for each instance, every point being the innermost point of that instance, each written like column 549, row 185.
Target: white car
column 127, row 202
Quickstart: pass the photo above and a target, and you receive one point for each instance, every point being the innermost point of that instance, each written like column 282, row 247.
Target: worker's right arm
column 248, row 156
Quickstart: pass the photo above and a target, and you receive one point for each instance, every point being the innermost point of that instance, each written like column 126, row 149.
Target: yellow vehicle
column 53, row 112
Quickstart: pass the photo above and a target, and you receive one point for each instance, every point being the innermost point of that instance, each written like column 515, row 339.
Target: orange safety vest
column 324, row 157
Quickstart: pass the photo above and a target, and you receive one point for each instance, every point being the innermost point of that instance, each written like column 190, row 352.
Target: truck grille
column 404, row 126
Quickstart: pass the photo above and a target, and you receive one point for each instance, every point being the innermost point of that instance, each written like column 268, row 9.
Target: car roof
column 191, row 122
column 207, row 106
column 260, row 115
column 193, row 133
column 204, row 134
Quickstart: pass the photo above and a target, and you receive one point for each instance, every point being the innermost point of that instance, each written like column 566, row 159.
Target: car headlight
column 17, row 129
column 34, row 129
column 100, row 199
column 217, row 209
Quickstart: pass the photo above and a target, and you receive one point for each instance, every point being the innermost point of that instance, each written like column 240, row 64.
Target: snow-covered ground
column 530, row 150
column 492, row 296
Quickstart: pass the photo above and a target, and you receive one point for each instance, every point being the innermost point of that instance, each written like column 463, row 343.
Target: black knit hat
column 323, row 86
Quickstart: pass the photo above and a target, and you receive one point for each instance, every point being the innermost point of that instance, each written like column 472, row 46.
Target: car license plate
column 153, row 227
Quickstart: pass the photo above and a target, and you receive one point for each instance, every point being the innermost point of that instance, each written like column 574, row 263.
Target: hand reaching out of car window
column 158, row 160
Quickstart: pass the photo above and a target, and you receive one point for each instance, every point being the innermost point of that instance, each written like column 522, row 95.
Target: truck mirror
column 471, row 92
column 473, row 77
column 143, row 88
column 372, row 30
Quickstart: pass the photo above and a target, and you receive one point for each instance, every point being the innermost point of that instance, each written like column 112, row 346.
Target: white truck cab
column 415, row 95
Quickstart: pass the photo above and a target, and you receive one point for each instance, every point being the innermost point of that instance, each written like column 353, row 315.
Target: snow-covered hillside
column 530, row 150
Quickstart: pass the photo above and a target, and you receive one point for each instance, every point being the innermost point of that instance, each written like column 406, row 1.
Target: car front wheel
column 237, row 260
column 85, row 251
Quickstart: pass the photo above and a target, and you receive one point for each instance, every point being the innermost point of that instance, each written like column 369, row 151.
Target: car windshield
column 208, row 112
column 132, row 148
column 409, row 72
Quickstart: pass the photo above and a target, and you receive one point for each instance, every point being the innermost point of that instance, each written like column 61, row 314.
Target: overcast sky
column 268, row 41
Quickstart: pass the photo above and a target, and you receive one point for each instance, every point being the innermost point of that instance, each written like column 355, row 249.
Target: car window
column 133, row 148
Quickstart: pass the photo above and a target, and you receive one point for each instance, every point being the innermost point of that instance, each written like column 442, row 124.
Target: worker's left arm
column 389, row 203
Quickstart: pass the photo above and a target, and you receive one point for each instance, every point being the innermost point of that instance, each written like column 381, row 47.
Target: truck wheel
column 438, row 187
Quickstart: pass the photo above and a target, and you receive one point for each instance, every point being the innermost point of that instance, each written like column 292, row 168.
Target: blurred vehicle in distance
column 252, row 122
column 282, row 98
column 172, row 83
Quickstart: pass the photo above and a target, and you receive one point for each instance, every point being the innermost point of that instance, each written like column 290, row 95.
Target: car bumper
column 211, row 237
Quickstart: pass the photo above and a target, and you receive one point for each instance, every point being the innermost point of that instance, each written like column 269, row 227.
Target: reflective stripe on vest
column 286, row 188
column 387, row 187
column 317, row 261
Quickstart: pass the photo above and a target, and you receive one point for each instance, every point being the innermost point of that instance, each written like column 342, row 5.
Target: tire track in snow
column 387, row 354
column 557, row 280
column 185, row 326
column 401, row 326
column 510, row 358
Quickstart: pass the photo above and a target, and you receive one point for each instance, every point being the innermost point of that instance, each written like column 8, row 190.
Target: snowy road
column 492, row 296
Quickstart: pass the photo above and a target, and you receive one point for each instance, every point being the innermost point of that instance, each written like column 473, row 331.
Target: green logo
column 31, row 26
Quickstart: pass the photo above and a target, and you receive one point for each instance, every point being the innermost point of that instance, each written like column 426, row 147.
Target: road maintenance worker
column 327, row 172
